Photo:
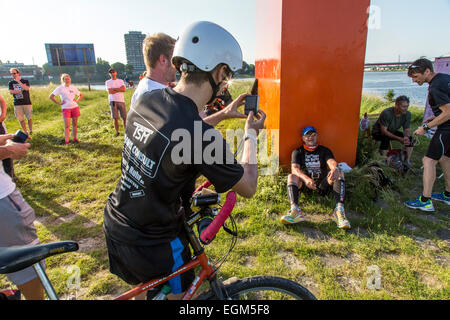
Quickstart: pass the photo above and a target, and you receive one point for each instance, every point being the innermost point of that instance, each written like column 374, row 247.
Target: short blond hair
column 156, row 45
column 63, row 76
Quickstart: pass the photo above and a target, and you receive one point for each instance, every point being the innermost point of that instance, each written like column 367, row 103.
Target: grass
column 68, row 187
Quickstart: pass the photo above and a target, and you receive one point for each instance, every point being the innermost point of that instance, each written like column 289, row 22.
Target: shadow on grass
column 50, row 143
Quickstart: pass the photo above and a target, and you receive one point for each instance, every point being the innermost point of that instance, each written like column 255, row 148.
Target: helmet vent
column 195, row 40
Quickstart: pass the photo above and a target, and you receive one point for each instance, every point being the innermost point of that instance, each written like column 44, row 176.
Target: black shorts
column 439, row 145
column 323, row 187
column 384, row 145
column 140, row 264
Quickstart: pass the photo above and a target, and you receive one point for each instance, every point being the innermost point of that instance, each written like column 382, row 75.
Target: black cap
column 111, row 70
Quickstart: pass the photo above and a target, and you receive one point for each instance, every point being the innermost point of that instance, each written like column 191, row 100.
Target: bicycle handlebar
column 210, row 232
column 205, row 184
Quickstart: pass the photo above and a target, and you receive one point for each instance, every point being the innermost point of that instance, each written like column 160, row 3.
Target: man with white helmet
column 143, row 216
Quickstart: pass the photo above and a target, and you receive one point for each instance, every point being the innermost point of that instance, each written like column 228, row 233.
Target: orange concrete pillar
column 310, row 63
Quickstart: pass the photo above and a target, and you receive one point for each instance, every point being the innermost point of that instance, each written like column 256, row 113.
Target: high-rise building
column 133, row 48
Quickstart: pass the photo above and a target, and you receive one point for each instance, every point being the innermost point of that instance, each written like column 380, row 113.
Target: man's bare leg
column 445, row 165
column 429, row 175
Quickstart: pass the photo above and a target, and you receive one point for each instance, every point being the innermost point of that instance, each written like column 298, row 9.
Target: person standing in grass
column 314, row 167
column 157, row 50
column 8, row 162
column 422, row 71
column 20, row 89
column 69, row 104
column 17, row 220
column 143, row 220
column 116, row 88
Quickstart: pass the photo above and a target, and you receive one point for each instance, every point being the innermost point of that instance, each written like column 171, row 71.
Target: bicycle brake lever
column 229, row 231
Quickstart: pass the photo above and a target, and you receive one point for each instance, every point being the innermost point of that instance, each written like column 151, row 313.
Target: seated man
column 314, row 166
column 388, row 124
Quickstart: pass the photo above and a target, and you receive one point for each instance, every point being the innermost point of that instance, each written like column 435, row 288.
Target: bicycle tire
column 261, row 288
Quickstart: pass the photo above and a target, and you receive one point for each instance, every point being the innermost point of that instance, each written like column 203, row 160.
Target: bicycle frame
column 200, row 259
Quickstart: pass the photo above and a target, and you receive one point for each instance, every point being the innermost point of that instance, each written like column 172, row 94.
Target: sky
column 405, row 29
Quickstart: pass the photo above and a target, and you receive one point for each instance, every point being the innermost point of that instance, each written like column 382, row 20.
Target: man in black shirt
column 20, row 89
column 422, row 71
column 314, row 166
column 165, row 147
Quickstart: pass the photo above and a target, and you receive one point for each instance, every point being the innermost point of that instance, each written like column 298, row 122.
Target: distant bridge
column 386, row 64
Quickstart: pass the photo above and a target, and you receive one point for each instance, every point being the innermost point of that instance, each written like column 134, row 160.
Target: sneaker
column 293, row 216
column 339, row 217
column 441, row 197
column 117, row 134
column 76, row 140
column 419, row 204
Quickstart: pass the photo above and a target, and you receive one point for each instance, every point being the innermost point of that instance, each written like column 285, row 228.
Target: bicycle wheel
column 262, row 288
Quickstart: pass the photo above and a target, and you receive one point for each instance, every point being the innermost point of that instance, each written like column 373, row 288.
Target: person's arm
column 307, row 180
column 52, row 97
column 12, row 90
column 117, row 90
column 3, row 109
column 228, row 112
column 247, row 185
column 10, row 149
column 24, row 86
column 385, row 132
column 80, row 96
column 443, row 117
column 334, row 168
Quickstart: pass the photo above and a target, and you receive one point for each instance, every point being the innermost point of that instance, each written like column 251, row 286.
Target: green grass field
column 68, row 187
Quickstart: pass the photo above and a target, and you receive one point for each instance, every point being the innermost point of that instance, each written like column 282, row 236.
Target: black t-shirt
column 438, row 95
column 23, row 98
column 166, row 146
column 312, row 163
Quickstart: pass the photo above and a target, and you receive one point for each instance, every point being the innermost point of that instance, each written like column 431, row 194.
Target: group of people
column 143, row 216
column 391, row 120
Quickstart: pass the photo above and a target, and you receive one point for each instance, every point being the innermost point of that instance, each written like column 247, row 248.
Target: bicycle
column 209, row 221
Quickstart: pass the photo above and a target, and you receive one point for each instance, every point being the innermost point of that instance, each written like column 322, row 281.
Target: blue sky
column 405, row 28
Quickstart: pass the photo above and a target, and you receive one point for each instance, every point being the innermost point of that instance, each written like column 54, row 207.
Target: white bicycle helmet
column 205, row 45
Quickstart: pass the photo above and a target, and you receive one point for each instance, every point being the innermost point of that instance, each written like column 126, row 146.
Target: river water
column 378, row 83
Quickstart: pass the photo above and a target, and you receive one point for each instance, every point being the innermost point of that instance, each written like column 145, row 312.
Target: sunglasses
column 414, row 67
column 14, row 73
column 310, row 135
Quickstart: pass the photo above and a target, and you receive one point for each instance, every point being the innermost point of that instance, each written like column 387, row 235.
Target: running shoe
column 293, row 216
column 339, row 217
column 441, row 197
column 419, row 204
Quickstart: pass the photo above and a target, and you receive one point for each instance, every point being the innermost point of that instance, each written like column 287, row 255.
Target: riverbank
column 68, row 187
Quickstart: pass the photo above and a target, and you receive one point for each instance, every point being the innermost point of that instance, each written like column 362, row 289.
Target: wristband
column 426, row 127
column 251, row 137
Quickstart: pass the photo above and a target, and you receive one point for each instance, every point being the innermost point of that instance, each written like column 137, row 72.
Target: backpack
column 396, row 158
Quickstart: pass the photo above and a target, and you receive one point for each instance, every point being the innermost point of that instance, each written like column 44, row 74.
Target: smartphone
column 251, row 104
column 254, row 91
column 20, row 137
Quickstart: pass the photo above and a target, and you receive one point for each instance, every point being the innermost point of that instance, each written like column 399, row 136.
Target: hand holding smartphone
column 20, row 137
column 251, row 104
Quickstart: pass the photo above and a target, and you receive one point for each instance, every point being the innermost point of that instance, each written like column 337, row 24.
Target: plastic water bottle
column 163, row 293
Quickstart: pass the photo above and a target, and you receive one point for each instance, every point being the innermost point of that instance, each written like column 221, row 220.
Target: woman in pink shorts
column 69, row 104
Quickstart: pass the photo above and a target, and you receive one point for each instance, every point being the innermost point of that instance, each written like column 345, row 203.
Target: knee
column 292, row 178
column 428, row 162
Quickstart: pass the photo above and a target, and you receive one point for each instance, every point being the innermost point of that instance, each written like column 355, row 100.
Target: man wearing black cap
column 116, row 88
column 314, row 166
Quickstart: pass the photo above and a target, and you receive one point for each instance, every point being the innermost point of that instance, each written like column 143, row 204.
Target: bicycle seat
column 13, row 259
